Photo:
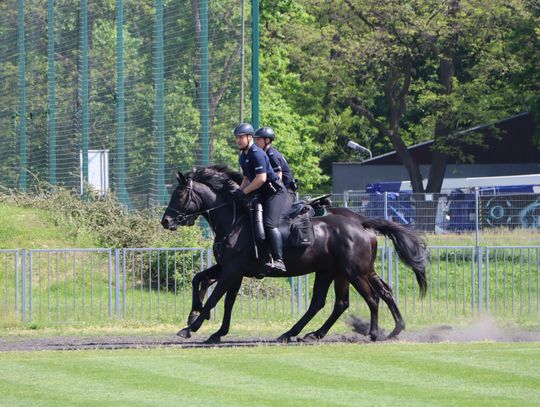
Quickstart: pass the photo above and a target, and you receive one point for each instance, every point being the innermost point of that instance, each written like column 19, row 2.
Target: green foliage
column 103, row 218
column 315, row 54
column 360, row 49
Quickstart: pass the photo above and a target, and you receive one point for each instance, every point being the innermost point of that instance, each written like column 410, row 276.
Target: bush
column 105, row 218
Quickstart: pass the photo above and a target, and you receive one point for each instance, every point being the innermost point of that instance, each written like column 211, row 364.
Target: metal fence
column 457, row 211
column 120, row 95
column 71, row 285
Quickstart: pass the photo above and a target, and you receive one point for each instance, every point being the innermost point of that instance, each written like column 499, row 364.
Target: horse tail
column 410, row 247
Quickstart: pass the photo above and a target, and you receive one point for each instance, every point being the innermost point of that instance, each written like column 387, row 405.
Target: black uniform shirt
column 279, row 164
column 255, row 161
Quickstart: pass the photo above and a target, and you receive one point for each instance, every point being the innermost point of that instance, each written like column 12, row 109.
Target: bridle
column 182, row 216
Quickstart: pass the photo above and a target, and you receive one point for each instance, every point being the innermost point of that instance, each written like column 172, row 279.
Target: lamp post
column 358, row 148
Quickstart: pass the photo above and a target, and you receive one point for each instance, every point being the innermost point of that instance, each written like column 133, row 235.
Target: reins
column 181, row 216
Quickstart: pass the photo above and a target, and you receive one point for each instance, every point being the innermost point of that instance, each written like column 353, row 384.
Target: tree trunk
column 443, row 126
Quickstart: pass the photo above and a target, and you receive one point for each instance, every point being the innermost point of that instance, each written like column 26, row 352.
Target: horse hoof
column 394, row 334
column 284, row 339
column 184, row 333
column 310, row 338
column 214, row 339
column 377, row 336
column 397, row 330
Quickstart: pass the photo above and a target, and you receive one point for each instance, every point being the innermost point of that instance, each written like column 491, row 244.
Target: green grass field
column 480, row 374
column 382, row 374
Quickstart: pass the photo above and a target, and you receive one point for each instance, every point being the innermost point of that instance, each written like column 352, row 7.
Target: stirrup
column 277, row 265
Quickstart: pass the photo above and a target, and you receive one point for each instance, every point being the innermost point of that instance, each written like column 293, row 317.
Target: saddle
column 295, row 225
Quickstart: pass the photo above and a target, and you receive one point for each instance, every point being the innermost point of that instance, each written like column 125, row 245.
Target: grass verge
column 479, row 374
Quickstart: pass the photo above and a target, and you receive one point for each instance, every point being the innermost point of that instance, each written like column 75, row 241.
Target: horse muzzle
column 172, row 223
column 169, row 223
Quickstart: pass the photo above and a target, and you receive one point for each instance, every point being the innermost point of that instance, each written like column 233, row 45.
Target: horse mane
column 218, row 177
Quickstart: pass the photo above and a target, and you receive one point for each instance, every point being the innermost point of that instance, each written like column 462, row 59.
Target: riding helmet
column 265, row 132
column 243, row 128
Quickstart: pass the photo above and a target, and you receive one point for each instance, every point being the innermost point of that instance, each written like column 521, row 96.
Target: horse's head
column 184, row 206
column 200, row 191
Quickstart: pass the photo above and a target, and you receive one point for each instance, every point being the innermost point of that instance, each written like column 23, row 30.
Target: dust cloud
column 481, row 329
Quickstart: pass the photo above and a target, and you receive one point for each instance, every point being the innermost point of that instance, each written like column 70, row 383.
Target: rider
column 264, row 137
column 259, row 177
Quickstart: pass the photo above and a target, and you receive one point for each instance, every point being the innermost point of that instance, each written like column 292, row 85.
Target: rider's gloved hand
column 241, row 199
column 239, row 195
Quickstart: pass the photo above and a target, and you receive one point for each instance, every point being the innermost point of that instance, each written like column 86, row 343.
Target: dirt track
column 485, row 330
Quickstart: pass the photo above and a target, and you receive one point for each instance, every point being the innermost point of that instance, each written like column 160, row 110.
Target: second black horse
column 344, row 252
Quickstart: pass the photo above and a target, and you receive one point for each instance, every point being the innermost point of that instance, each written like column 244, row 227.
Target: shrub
column 105, row 217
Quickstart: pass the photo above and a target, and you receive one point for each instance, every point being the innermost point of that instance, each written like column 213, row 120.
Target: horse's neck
column 219, row 215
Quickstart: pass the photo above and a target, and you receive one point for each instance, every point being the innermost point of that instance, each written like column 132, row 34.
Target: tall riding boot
column 276, row 248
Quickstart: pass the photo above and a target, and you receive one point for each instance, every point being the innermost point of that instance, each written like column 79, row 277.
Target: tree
column 379, row 58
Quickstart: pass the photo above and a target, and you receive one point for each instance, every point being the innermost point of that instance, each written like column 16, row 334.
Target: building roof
column 514, row 144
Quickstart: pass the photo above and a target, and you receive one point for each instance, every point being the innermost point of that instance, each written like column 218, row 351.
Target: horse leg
column 230, row 298
column 341, row 289
column 201, row 282
column 223, row 284
column 385, row 292
column 320, row 289
column 372, row 300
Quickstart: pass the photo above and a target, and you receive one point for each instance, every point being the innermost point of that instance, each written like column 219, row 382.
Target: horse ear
column 193, row 169
column 181, row 179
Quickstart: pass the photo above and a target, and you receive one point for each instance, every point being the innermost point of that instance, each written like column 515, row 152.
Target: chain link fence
column 118, row 95
column 455, row 212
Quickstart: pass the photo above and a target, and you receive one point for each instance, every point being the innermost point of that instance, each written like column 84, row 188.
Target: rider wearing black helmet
column 264, row 137
column 259, row 177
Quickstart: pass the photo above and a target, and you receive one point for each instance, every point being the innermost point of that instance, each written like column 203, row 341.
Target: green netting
column 163, row 92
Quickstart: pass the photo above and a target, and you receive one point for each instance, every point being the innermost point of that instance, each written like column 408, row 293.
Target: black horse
column 344, row 252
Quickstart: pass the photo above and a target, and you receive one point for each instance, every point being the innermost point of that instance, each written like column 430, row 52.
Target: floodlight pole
column 242, row 58
column 255, row 63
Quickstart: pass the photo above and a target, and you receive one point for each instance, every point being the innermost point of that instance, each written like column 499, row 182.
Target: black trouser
column 273, row 206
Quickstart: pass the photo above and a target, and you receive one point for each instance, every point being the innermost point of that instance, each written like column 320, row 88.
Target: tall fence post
column 205, row 87
column 85, row 93
column 22, row 97
column 120, row 107
column 52, row 97
column 255, row 63
column 159, row 109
